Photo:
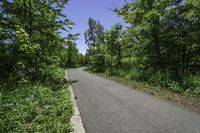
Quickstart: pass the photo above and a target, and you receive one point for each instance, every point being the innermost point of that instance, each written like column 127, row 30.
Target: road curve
column 110, row 107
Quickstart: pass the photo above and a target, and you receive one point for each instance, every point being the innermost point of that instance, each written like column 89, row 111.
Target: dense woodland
column 33, row 55
column 160, row 44
column 30, row 38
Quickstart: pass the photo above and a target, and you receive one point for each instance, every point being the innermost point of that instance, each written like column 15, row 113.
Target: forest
column 159, row 45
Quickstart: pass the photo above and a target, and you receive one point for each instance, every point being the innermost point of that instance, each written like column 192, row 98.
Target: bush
column 174, row 86
column 162, row 79
column 132, row 74
column 193, row 83
column 54, row 76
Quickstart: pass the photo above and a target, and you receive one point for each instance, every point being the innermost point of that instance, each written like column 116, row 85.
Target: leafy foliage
column 74, row 58
column 160, row 45
column 33, row 91
column 30, row 37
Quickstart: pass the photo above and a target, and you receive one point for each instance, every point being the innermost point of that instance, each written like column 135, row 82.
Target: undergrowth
column 186, row 84
column 42, row 106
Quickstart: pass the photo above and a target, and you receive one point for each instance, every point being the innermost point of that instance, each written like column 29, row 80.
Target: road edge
column 76, row 119
column 176, row 99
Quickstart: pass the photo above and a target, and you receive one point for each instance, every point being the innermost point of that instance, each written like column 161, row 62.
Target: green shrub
column 54, row 76
column 132, row 74
column 162, row 79
column 174, row 86
column 108, row 72
column 193, row 83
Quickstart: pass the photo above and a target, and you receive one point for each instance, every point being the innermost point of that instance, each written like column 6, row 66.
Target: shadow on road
column 73, row 81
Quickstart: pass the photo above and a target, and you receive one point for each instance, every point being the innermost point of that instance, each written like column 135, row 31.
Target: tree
column 29, row 36
column 159, row 45
column 95, row 37
column 161, row 27
column 113, row 40
column 72, row 51
column 95, row 33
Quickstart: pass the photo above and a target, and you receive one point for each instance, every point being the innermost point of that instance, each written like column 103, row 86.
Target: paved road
column 110, row 107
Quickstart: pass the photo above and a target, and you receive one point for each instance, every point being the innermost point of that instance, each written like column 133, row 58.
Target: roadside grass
column 184, row 99
column 43, row 106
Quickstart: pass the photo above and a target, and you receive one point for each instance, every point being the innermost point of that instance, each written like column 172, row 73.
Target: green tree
column 95, row 37
column 72, row 51
column 160, row 44
column 30, row 37
column 113, row 40
column 95, row 33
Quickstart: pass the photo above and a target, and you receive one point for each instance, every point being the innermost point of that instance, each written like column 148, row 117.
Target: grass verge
column 36, row 107
column 183, row 100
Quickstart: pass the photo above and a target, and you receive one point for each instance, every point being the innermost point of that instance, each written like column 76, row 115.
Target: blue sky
column 79, row 11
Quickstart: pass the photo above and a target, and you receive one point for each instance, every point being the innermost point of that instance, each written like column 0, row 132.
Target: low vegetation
column 187, row 84
column 43, row 106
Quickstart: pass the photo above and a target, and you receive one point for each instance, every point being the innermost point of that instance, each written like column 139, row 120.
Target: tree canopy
column 160, row 44
column 30, row 37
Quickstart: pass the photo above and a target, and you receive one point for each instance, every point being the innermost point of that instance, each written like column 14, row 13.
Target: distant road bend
column 110, row 107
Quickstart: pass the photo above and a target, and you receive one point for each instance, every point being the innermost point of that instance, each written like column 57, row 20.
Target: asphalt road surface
column 110, row 107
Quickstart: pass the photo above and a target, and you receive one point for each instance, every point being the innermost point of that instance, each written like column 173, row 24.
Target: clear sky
column 79, row 11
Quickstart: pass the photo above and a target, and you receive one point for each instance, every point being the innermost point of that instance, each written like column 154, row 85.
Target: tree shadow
column 72, row 81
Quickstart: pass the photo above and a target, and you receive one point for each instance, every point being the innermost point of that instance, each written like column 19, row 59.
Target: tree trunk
column 25, row 16
column 183, row 58
column 30, row 18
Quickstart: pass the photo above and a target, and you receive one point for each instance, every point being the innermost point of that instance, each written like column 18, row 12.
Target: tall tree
column 95, row 33
column 94, row 38
column 72, row 51
column 113, row 41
